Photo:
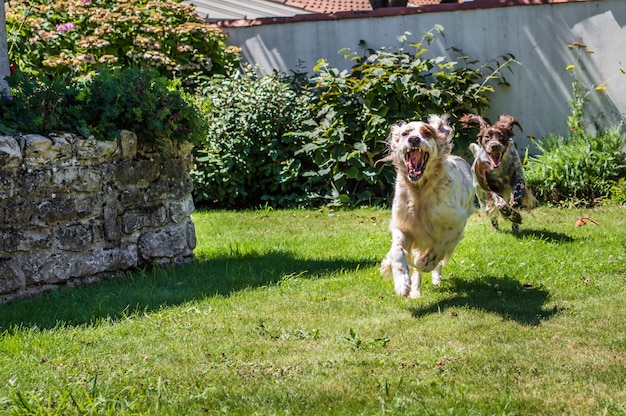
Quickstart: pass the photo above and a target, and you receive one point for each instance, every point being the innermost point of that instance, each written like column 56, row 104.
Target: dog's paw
column 499, row 202
column 414, row 294
column 512, row 215
column 403, row 288
column 508, row 212
column 436, row 277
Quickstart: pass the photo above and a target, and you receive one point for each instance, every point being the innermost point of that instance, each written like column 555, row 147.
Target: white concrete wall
column 537, row 35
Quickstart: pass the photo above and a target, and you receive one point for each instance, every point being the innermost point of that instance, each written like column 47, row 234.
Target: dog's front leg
column 416, row 284
column 492, row 210
column 397, row 261
column 518, row 193
column 436, row 275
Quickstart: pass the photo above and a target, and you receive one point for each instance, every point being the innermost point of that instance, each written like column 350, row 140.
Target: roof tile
column 333, row 6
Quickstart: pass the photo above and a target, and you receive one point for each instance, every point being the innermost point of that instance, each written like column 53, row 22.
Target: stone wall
column 75, row 210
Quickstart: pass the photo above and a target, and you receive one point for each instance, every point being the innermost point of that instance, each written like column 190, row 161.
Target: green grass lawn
column 285, row 313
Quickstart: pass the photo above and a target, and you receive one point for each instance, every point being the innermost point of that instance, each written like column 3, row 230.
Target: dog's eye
column 426, row 132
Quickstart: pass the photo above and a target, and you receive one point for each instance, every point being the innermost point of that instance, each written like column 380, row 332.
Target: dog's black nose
column 414, row 141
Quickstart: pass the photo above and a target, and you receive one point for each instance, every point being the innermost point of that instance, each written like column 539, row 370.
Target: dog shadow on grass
column 544, row 235
column 145, row 291
column 503, row 296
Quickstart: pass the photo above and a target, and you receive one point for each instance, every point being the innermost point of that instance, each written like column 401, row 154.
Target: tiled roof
column 333, row 6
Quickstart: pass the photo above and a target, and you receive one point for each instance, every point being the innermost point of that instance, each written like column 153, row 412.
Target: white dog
column 434, row 197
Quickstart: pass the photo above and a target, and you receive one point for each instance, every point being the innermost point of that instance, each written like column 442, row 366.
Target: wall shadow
column 505, row 297
column 146, row 291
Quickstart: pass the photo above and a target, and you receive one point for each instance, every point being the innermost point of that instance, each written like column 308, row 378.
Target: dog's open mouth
column 495, row 158
column 415, row 160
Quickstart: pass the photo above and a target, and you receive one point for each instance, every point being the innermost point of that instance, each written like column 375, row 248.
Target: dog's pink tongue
column 495, row 159
column 415, row 162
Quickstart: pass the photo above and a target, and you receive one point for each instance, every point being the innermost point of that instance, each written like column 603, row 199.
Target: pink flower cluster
column 65, row 27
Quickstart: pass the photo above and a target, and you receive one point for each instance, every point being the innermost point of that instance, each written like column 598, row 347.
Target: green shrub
column 133, row 99
column 247, row 158
column 583, row 169
column 354, row 108
column 79, row 36
column 295, row 142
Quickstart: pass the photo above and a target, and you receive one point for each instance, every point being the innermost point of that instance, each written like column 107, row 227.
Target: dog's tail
column 475, row 149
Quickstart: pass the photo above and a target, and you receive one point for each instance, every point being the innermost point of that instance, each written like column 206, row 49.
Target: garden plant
column 100, row 105
column 588, row 166
column 81, row 36
column 331, row 127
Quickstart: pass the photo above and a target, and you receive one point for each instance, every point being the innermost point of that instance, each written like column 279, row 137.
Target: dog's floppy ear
column 391, row 142
column 445, row 132
column 440, row 124
column 393, row 138
column 507, row 122
column 473, row 121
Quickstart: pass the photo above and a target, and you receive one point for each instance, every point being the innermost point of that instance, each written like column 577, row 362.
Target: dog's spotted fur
column 497, row 169
column 434, row 196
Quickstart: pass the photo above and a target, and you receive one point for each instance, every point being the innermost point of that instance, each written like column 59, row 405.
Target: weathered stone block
column 47, row 267
column 58, row 208
column 62, row 148
column 180, row 210
column 14, row 240
column 75, row 178
column 35, row 238
column 38, row 149
column 133, row 172
column 10, row 153
column 20, row 211
column 191, row 236
column 138, row 218
column 75, row 237
column 9, row 240
column 8, row 179
column 34, row 182
column 175, row 170
column 93, row 151
column 165, row 242
column 11, row 277
column 88, row 206
column 128, row 144
column 112, row 227
column 123, row 257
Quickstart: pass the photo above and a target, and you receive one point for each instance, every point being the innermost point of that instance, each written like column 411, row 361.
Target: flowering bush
column 79, row 36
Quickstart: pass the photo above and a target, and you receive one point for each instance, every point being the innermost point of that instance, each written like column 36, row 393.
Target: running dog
column 497, row 169
column 434, row 196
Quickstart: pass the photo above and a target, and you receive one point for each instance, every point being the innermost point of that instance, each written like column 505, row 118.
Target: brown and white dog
column 497, row 169
column 434, row 196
